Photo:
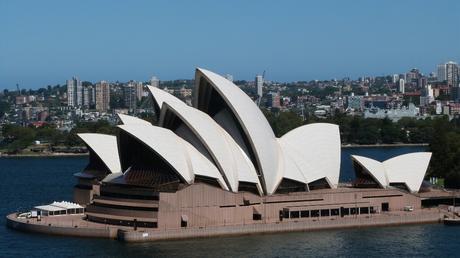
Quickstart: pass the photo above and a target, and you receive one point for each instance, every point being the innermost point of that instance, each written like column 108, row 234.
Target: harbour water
column 26, row 182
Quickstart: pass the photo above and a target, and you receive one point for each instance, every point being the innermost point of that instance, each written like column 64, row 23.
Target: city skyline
column 49, row 42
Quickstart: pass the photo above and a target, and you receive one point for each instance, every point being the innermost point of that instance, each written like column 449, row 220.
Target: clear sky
column 46, row 42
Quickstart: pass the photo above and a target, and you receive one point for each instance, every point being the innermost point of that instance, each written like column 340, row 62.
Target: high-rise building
column 449, row 72
column 89, row 97
column 74, row 92
column 79, row 93
column 395, row 78
column 103, row 96
column 70, row 93
column 139, row 90
column 130, row 95
column 155, row 82
column 259, row 85
column 452, row 74
column 422, row 82
column 441, row 73
column 93, row 96
column 401, row 85
column 413, row 75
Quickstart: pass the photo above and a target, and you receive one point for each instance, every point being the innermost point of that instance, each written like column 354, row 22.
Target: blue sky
column 46, row 42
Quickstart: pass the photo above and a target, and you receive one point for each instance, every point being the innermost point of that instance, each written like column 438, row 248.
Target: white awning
column 49, row 208
column 59, row 206
column 67, row 205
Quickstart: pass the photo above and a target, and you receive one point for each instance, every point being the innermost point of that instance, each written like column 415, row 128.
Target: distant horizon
column 50, row 41
column 13, row 87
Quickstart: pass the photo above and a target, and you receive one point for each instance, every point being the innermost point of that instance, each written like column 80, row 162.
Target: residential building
column 402, row 86
column 74, row 92
column 130, row 95
column 103, row 96
column 259, row 82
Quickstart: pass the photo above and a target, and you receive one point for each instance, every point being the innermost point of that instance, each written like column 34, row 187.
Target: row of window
column 290, row 214
column 135, row 208
column 130, row 196
column 60, row 212
column 129, row 223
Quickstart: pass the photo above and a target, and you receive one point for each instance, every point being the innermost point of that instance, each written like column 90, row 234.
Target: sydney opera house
column 218, row 163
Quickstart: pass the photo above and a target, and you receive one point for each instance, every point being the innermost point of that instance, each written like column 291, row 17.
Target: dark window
column 286, row 213
column 96, row 166
column 294, row 214
column 288, row 186
column 315, row 213
column 129, row 223
column 105, row 205
column 363, row 179
column 207, row 180
column 139, row 196
column 353, row 211
column 319, row 184
column 344, row 211
column 401, row 186
column 372, row 210
column 146, row 167
column 364, row 210
column 256, row 216
column 183, row 223
column 334, row 212
column 304, row 214
column 385, row 206
column 324, row 213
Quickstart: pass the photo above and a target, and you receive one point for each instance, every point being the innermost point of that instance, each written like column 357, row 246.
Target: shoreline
column 352, row 145
column 126, row 234
column 63, row 154
column 42, row 155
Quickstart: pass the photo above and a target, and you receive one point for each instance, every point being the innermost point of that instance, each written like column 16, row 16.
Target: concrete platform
column 75, row 225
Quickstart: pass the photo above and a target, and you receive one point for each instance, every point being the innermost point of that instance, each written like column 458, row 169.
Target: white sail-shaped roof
column 315, row 148
column 228, row 156
column 161, row 96
column 375, row 169
column 132, row 120
column 166, row 144
column 201, row 166
column 408, row 169
column 292, row 170
column 251, row 120
column 179, row 154
column 112, row 176
column 105, row 147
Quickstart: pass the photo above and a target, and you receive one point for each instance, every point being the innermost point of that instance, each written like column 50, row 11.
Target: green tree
column 18, row 137
column 101, row 126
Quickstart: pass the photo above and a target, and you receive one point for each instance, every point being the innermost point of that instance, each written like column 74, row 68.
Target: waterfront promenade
column 75, row 225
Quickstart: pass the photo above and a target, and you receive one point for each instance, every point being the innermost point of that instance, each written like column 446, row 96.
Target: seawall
column 310, row 225
column 144, row 235
column 30, row 226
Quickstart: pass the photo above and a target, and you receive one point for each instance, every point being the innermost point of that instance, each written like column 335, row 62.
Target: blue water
column 30, row 181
